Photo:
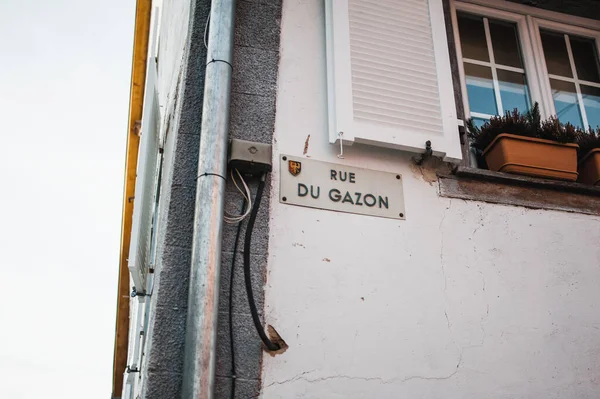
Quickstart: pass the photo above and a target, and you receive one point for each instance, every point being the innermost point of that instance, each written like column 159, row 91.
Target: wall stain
column 306, row 145
column 429, row 169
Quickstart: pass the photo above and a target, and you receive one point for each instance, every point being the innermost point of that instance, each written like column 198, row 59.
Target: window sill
column 502, row 188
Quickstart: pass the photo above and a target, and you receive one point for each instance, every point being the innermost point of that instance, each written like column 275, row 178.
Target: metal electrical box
column 250, row 157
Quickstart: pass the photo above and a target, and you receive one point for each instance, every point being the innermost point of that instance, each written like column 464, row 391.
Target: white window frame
column 535, row 25
column 528, row 20
column 525, row 45
column 534, row 12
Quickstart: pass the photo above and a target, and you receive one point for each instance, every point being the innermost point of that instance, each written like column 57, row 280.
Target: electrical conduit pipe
column 201, row 331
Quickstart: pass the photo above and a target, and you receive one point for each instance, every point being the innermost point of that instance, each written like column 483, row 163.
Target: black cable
column 213, row 60
column 235, row 246
column 248, row 241
column 211, row 174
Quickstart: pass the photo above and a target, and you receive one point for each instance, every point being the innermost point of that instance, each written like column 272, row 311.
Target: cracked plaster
column 461, row 300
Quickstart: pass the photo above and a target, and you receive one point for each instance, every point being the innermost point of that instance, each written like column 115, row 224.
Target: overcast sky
column 64, row 91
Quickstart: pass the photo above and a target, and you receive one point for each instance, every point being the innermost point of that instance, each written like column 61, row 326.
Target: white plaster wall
column 461, row 300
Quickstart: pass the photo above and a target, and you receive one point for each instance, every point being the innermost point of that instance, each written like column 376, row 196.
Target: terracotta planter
column 532, row 157
column 589, row 168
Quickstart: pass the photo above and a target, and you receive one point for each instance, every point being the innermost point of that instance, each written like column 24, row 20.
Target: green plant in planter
column 589, row 156
column 528, row 125
column 524, row 144
column 588, row 141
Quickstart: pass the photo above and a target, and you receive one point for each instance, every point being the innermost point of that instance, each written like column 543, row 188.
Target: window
column 494, row 70
column 572, row 64
column 509, row 61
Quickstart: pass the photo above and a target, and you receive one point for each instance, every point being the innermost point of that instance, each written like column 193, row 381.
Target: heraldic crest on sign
column 295, row 167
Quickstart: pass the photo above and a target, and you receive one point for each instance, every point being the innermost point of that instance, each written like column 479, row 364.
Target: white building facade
column 484, row 285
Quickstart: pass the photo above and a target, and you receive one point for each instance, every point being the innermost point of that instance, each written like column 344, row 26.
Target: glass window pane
column 586, row 58
column 480, row 89
column 513, row 91
column 591, row 103
column 505, row 44
column 565, row 102
column 555, row 52
column 472, row 37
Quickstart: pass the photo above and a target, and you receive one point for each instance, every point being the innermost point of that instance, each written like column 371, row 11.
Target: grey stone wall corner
column 252, row 117
column 162, row 367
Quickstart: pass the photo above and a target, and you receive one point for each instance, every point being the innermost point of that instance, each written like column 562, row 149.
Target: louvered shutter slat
column 389, row 79
column 145, row 186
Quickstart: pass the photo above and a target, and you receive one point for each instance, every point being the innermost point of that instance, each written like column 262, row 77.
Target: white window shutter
column 389, row 76
column 145, row 186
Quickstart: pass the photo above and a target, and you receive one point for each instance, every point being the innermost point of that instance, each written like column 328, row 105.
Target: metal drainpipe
column 201, row 333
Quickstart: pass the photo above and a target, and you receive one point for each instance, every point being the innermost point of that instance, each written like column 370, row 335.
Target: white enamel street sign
column 324, row 185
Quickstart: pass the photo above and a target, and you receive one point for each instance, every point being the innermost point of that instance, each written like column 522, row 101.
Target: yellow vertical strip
column 136, row 100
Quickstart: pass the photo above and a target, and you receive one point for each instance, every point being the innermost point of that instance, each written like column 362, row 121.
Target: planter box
column 532, row 157
column 589, row 168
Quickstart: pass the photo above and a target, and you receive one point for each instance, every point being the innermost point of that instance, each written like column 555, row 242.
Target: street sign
column 324, row 185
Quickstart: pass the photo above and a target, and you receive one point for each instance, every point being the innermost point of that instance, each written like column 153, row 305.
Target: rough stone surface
column 181, row 217
column 162, row 367
column 191, row 106
column 248, row 347
column 274, row 3
column 163, row 385
column 252, row 118
column 258, row 264
column 187, row 160
column 247, row 389
column 173, row 289
column 166, row 355
column 520, row 195
column 254, row 71
column 260, row 234
column 255, row 25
